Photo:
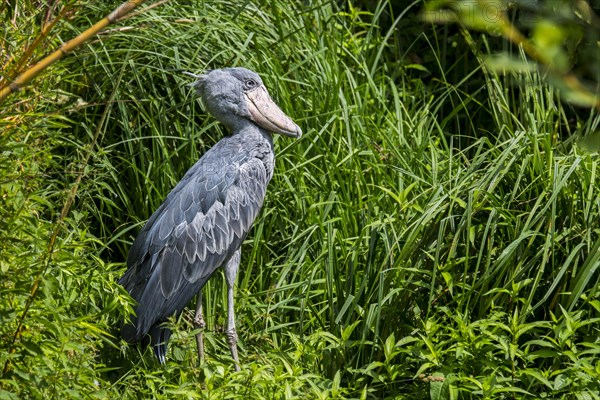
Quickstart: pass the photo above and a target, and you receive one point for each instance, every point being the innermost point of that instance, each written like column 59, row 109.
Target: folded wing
column 202, row 222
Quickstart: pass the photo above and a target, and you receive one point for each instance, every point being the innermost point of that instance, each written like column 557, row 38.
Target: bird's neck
column 257, row 143
column 251, row 129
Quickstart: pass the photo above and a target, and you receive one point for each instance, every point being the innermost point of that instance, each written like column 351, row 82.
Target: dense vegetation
column 434, row 234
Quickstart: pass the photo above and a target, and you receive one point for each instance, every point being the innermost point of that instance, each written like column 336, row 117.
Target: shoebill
column 204, row 220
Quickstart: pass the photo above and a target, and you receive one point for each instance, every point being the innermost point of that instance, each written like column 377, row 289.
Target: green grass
column 423, row 239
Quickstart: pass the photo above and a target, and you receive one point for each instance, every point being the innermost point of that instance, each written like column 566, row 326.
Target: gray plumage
column 204, row 220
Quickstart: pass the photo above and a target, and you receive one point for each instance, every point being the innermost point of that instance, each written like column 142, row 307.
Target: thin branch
column 67, row 48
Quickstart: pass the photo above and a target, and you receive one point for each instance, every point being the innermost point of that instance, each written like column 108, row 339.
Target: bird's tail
column 159, row 338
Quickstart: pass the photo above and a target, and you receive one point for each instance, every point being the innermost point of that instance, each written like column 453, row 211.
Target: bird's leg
column 199, row 324
column 230, row 274
column 231, row 332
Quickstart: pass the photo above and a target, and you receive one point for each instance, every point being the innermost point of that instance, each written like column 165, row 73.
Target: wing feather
column 169, row 281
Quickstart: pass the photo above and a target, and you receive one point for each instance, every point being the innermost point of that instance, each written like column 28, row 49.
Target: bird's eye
column 250, row 83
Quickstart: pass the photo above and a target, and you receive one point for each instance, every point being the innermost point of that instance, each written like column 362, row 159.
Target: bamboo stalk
column 45, row 32
column 67, row 48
